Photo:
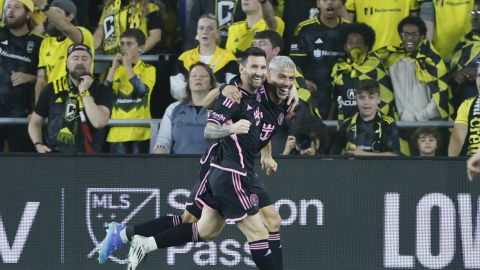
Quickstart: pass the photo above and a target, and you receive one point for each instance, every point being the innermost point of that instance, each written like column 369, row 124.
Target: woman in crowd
column 181, row 130
column 222, row 62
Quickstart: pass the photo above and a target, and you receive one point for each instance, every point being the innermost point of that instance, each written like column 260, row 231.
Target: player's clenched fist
column 242, row 126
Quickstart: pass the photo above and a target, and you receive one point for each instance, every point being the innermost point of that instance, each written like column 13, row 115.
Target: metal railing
column 155, row 124
column 102, row 61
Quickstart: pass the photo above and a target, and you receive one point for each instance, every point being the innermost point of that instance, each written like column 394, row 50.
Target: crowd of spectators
column 364, row 63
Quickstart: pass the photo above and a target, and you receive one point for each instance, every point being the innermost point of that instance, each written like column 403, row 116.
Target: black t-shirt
column 17, row 54
column 377, row 135
column 51, row 105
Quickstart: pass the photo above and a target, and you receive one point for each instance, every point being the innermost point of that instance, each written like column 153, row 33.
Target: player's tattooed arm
column 214, row 131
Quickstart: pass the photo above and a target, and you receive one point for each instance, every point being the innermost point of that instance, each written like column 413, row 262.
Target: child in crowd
column 425, row 142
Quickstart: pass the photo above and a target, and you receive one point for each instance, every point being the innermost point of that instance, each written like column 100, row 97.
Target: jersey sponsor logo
column 267, row 130
column 217, row 116
column 346, row 103
column 14, row 56
column 351, row 93
column 294, row 47
column 104, row 205
column 369, row 11
column 455, row 3
column 321, row 53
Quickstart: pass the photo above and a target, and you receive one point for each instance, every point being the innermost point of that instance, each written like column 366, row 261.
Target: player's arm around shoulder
column 219, row 123
column 228, row 91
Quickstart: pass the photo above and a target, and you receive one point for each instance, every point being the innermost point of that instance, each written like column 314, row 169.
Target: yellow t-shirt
column 452, row 22
column 470, row 118
column 463, row 111
column 240, row 37
column 383, row 16
column 53, row 54
column 128, row 105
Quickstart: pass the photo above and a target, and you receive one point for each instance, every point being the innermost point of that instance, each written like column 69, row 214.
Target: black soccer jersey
column 17, row 54
column 377, row 135
column 237, row 152
column 272, row 116
column 315, row 49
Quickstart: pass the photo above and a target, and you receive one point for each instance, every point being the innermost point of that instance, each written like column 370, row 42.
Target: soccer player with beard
column 19, row 48
column 77, row 109
column 62, row 32
column 282, row 75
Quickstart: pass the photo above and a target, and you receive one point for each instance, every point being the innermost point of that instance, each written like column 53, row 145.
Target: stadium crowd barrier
column 337, row 214
column 155, row 124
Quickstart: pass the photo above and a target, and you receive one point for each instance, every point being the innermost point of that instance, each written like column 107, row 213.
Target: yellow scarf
column 430, row 69
column 111, row 41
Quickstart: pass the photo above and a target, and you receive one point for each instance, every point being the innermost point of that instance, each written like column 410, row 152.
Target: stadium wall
column 336, row 213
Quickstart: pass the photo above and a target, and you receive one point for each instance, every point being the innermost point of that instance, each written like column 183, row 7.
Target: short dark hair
column 417, row 21
column 252, row 51
column 359, row 28
column 135, row 33
column 274, row 37
column 428, row 131
column 368, row 85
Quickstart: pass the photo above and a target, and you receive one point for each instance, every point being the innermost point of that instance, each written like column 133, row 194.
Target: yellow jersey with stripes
column 129, row 104
column 240, row 35
column 53, row 54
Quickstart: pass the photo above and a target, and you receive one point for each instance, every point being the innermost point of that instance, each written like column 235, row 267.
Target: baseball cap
column 78, row 47
column 66, row 5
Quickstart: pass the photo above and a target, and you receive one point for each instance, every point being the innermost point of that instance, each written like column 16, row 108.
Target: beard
column 53, row 31
column 17, row 23
column 78, row 72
